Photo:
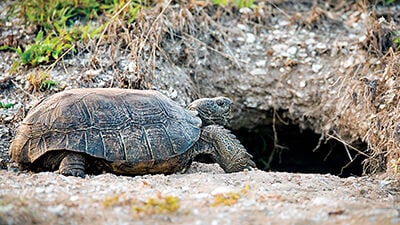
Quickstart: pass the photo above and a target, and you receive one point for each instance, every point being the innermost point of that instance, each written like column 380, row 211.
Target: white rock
column 261, row 63
column 310, row 41
column 292, row 50
column 240, row 39
column 321, row 46
column 244, row 86
column 242, row 26
column 302, row 53
column 39, row 190
column 245, row 10
column 93, row 73
column 349, row 62
column 58, row 209
column 74, row 198
column 223, row 190
column 250, row 38
column 302, row 83
column 316, row 67
column 258, row 71
column 132, row 66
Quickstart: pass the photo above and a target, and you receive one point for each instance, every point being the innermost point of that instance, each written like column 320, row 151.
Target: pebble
column 349, row 62
column 302, row 83
column 242, row 27
column 74, row 198
column 58, row 209
column 250, row 38
column 316, row 67
column 261, row 63
column 321, row 46
column 292, row 50
column 258, row 71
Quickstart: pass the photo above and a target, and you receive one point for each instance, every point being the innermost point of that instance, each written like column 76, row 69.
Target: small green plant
column 387, row 2
column 62, row 23
column 43, row 50
column 237, row 3
column 395, row 165
column 55, row 15
column 396, row 40
column 41, row 81
column 6, row 105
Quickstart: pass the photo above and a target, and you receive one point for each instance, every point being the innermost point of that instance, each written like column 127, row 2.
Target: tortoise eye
column 220, row 102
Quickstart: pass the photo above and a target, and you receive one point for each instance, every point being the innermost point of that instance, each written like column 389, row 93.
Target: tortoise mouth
column 209, row 119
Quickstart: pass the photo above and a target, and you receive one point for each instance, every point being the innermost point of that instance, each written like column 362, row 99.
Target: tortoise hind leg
column 73, row 164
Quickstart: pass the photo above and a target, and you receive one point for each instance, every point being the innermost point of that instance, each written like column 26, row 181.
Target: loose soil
column 249, row 197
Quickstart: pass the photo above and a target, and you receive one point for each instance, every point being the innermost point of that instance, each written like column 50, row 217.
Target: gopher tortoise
column 128, row 132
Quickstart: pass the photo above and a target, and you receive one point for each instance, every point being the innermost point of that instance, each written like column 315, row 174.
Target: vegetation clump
column 41, row 81
column 154, row 205
column 230, row 198
column 62, row 24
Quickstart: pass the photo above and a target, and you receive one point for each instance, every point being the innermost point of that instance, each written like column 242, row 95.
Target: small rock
column 316, row 67
column 58, row 209
column 321, row 46
column 3, row 164
column 349, row 62
column 250, row 38
column 240, row 39
column 251, row 102
column 292, row 50
column 245, row 10
column 261, row 63
column 310, row 41
column 200, row 196
column 258, row 71
column 223, row 190
column 172, row 93
column 302, row 83
column 39, row 190
column 242, row 26
column 74, row 198
column 132, row 67
column 302, row 53
column 244, row 86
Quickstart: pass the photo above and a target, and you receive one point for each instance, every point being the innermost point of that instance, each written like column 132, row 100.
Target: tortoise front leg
column 73, row 164
column 226, row 150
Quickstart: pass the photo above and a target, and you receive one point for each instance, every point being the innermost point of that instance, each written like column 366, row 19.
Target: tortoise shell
column 132, row 126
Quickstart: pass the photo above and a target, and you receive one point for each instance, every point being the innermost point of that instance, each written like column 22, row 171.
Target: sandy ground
column 204, row 195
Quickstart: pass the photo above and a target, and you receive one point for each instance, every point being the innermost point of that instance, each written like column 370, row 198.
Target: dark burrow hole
column 297, row 151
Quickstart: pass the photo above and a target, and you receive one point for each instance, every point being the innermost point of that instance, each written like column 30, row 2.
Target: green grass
column 63, row 23
column 6, row 105
column 237, row 3
column 41, row 81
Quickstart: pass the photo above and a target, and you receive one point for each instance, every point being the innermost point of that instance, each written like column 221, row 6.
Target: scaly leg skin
column 73, row 164
column 227, row 151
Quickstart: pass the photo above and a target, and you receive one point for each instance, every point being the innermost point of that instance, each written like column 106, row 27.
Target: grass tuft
column 41, row 81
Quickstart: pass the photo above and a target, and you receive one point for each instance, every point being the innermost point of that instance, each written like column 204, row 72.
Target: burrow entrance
column 300, row 151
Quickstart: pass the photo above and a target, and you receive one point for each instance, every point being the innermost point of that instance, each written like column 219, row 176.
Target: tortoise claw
column 73, row 164
column 73, row 172
column 251, row 165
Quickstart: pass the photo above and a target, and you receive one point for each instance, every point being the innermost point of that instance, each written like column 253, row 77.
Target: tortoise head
column 212, row 110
